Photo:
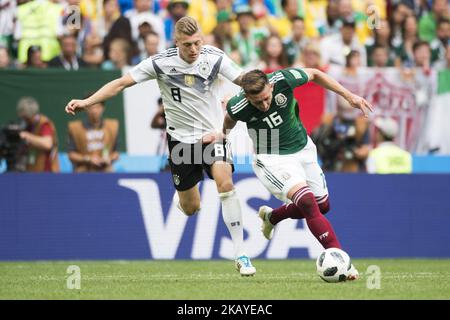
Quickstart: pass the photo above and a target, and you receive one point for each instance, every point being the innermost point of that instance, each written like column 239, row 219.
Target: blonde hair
column 187, row 26
column 314, row 47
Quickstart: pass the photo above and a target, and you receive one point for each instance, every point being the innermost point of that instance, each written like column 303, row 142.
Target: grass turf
column 282, row 279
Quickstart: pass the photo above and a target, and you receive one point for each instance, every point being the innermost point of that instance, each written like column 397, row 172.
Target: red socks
column 284, row 212
column 305, row 206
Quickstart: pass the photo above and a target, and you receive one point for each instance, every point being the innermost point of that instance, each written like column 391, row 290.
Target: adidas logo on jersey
column 173, row 70
column 253, row 119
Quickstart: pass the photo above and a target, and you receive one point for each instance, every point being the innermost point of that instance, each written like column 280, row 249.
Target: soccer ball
column 333, row 265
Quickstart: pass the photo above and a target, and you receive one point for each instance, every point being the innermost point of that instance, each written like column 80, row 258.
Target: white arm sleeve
column 229, row 69
column 143, row 71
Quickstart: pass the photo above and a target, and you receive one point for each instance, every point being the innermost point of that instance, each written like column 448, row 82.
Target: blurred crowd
column 268, row 34
column 410, row 36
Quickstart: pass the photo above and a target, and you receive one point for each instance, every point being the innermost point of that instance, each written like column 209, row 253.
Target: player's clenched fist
column 75, row 106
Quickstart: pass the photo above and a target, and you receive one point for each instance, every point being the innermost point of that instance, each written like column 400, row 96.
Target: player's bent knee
column 324, row 206
column 190, row 208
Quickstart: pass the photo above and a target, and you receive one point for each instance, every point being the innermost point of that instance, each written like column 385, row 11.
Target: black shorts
column 187, row 161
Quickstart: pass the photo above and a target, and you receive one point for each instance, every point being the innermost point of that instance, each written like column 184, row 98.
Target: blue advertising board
column 134, row 216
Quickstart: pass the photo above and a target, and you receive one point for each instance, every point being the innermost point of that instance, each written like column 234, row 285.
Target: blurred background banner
column 421, row 114
column 52, row 89
column 132, row 216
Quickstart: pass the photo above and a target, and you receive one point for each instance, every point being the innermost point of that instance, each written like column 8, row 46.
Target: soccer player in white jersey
column 188, row 79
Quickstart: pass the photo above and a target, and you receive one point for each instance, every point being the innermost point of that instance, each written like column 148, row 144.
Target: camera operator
column 12, row 148
column 39, row 137
column 343, row 140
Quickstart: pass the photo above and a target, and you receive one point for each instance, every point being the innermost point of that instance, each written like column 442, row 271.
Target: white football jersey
column 190, row 92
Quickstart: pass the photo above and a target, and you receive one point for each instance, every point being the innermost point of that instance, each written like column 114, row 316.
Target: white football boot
column 244, row 266
column 352, row 274
column 266, row 227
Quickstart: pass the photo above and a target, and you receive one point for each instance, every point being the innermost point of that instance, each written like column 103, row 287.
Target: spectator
column 316, row 18
column 419, row 7
column 144, row 29
column 205, row 13
column 405, row 52
column 428, row 22
column 34, row 58
column 343, row 140
column 273, row 55
column 332, row 18
column 68, row 58
column 346, row 12
column 142, row 13
column 93, row 141
column 283, row 24
column 93, row 50
column 444, row 63
column 381, row 38
column 387, row 157
column 380, row 57
column 7, row 11
column 44, row 14
column 311, row 57
column 151, row 43
column 39, row 136
column 176, row 9
column 422, row 55
column 399, row 13
column 335, row 48
column 439, row 44
column 297, row 41
column 344, row 136
column 111, row 13
column 248, row 39
column 120, row 29
column 5, row 61
column 311, row 96
column 119, row 55
column 223, row 34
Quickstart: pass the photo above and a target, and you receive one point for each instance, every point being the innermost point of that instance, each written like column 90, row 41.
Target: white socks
column 232, row 216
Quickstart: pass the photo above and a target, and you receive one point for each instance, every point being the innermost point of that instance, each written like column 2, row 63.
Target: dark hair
column 419, row 44
column 350, row 56
column 403, row 26
column 282, row 59
column 297, row 18
column 121, row 28
column 442, row 21
column 253, row 82
column 379, row 46
column 31, row 50
column 391, row 33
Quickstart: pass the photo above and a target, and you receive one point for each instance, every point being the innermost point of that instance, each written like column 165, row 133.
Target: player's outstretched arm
column 104, row 93
column 324, row 80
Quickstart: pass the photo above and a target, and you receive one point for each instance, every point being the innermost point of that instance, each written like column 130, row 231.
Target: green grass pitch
column 217, row 280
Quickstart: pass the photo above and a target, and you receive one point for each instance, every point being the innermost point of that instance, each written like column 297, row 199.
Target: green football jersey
column 279, row 130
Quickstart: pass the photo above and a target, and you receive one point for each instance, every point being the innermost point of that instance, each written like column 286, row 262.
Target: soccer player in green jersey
column 285, row 157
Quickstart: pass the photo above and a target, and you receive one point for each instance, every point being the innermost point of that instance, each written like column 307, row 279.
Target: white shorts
column 280, row 173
